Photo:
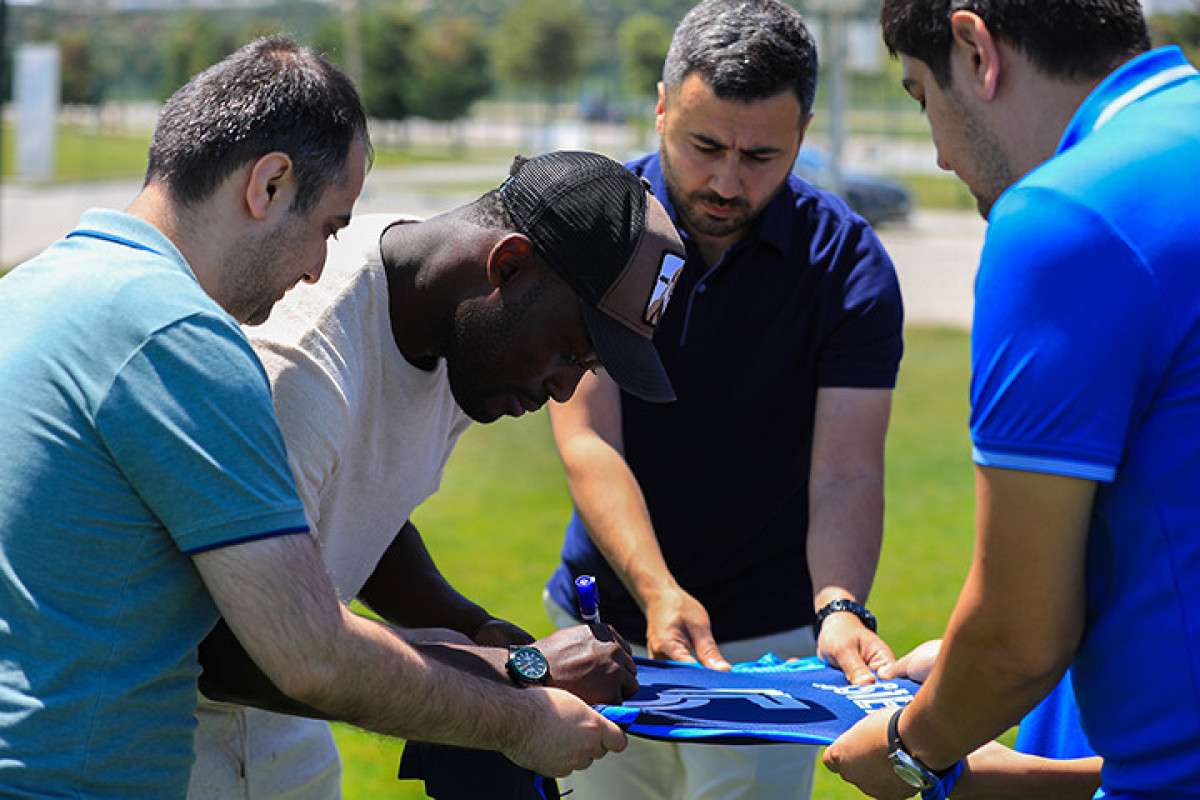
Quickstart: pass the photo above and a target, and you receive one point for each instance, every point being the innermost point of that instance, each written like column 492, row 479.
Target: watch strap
column 941, row 790
column 934, row 779
column 849, row 606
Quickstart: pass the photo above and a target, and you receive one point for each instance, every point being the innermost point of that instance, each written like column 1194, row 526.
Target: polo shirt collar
column 774, row 227
column 1139, row 77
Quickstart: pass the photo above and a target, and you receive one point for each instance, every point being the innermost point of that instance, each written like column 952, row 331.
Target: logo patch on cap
column 668, row 275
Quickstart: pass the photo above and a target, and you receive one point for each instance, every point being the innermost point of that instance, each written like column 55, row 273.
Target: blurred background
column 455, row 88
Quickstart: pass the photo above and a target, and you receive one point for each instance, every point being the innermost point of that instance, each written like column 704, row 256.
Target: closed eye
column 588, row 365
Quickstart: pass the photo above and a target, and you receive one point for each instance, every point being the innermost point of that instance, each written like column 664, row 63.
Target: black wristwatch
column 907, row 766
column 527, row 666
column 842, row 604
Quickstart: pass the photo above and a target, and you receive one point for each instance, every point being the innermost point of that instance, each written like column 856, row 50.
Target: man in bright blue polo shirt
column 1082, row 146
column 719, row 526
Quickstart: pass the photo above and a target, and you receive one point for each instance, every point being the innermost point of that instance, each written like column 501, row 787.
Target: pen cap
column 589, row 600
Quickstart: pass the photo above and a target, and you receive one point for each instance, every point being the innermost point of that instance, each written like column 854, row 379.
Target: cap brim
column 629, row 358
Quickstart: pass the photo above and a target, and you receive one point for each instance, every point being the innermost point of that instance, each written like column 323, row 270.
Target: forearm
column 1018, row 619
column 611, row 506
column 844, row 539
column 407, row 589
column 846, row 488
column 987, row 677
column 994, row 772
column 1012, row 634
column 348, row 667
column 229, row 675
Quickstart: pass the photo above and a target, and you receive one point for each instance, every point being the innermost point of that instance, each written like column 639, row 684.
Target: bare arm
column 846, row 521
column 996, row 772
column 588, row 432
column 1012, row 634
column 409, row 590
column 279, row 603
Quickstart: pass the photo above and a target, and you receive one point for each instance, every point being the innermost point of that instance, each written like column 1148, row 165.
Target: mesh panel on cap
column 585, row 213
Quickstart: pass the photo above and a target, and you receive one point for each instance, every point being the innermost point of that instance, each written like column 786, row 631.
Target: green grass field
column 496, row 526
column 82, row 154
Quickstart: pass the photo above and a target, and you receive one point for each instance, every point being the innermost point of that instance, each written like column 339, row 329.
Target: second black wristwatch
column 842, row 604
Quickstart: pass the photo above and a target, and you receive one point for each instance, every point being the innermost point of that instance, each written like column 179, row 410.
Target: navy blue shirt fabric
column 808, row 299
column 461, row 773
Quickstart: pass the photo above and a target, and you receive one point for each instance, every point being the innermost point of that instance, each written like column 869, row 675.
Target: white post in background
column 838, row 20
column 36, row 93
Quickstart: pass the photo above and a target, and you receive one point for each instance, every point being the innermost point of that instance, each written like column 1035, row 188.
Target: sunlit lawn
column 496, row 526
column 84, row 154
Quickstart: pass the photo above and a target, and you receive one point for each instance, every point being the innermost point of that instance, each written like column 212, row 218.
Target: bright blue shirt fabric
column 809, row 299
column 1086, row 363
column 1052, row 728
column 138, row 429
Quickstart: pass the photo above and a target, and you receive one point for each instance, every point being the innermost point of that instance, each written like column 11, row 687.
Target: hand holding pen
column 592, row 660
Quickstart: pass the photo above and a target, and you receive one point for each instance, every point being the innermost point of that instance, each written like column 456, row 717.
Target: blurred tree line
column 425, row 59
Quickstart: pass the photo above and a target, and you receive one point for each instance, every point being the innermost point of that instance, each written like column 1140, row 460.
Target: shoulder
column 817, row 227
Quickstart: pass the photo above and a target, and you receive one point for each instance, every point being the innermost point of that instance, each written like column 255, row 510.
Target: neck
column 713, row 248
column 401, row 248
column 154, row 205
column 1037, row 121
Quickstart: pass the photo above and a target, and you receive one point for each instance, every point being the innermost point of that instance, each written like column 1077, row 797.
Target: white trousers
column 250, row 754
column 654, row 770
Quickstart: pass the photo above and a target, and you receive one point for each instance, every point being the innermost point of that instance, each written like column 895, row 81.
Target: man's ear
column 508, row 256
column 269, row 185
column 804, row 123
column 973, row 40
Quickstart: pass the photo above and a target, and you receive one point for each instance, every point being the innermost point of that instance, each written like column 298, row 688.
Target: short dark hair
column 1064, row 38
column 270, row 95
column 745, row 50
column 488, row 211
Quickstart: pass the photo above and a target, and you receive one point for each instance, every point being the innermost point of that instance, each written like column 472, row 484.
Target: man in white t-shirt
column 415, row 329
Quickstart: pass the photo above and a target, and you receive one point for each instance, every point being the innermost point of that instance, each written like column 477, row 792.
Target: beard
column 690, row 207
column 252, row 287
column 992, row 172
column 482, row 352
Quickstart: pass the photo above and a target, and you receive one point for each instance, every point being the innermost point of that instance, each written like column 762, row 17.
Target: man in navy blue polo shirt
column 723, row 525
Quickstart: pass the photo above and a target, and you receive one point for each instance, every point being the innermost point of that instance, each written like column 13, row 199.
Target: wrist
column 913, row 763
column 471, row 620
column 921, row 732
column 844, row 605
column 527, row 666
column 652, row 594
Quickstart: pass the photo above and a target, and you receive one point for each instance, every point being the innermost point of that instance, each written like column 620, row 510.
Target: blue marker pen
column 589, row 598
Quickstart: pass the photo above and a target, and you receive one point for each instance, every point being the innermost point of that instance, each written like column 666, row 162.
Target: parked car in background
column 874, row 198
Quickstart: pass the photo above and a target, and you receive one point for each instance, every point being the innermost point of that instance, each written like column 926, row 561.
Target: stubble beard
column 688, row 207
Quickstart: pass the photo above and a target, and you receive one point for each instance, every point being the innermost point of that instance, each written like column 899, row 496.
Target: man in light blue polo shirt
column 1082, row 147
column 145, row 487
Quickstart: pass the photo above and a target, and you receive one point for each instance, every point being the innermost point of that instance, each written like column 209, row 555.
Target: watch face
column 529, row 663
